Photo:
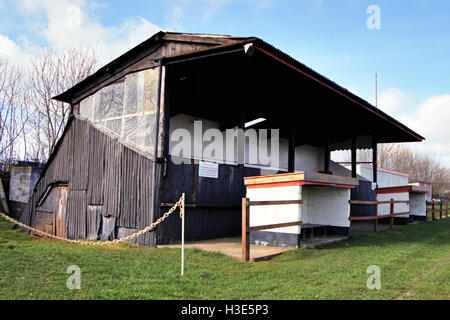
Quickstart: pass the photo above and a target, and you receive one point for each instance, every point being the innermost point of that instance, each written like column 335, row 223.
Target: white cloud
column 203, row 9
column 8, row 48
column 72, row 22
column 394, row 101
column 431, row 120
column 175, row 18
column 262, row 5
column 180, row 10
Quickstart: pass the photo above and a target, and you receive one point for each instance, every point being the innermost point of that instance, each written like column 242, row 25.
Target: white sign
column 208, row 170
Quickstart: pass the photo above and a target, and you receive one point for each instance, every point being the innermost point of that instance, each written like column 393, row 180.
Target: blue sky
column 410, row 53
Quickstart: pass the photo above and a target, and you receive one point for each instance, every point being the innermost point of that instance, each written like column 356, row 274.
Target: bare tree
column 50, row 74
column 419, row 167
column 13, row 111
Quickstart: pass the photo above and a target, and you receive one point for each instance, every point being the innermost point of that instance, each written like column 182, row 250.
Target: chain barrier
column 179, row 203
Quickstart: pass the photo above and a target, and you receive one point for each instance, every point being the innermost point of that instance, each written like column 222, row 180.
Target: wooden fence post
column 426, row 210
column 432, row 211
column 440, row 209
column 375, row 225
column 392, row 212
column 446, row 212
column 245, row 227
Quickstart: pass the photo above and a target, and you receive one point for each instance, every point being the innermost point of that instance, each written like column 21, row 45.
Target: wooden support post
column 353, row 157
column 374, row 160
column 375, row 224
column 241, row 141
column 291, row 153
column 326, row 158
column 426, row 210
column 245, row 229
column 392, row 213
column 432, row 211
column 440, row 209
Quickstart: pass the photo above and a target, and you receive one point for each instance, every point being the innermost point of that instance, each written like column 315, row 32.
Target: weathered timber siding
column 362, row 192
column 106, row 182
column 221, row 219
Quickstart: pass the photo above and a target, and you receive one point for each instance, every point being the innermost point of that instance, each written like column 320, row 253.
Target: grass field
column 414, row 262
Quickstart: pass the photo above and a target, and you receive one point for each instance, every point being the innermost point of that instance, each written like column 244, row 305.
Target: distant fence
column 246, row 229
column 375, row 216
column 435, row 209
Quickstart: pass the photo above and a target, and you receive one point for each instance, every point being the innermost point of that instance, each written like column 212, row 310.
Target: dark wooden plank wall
column 362, row 192
column 203, row 222
column 104, row 178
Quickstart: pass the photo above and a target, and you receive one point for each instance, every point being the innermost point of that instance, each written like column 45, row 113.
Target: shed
column 123, row 158
column 395, row 185
column 24, row 176
column 418, row 194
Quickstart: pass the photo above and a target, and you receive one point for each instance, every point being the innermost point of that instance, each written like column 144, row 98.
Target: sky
column 407, row 43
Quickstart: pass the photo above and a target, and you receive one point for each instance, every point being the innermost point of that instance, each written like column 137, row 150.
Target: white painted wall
column 385, row 179
column 340, row 170
column 322, row 205
column 307, row 158
column 417, row 204
column 182, row 121
column 326, row 205
column 264, row 215
column 384, row 209
column 428, row 196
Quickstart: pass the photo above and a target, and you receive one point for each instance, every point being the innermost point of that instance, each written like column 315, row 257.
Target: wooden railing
column 434, row 208
column 375, row 216
column 246, row 229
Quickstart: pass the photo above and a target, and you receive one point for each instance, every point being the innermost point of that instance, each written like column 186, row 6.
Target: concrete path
column 232, row 247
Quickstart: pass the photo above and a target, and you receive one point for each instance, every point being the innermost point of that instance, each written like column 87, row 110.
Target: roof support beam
column 326, row 158
column 374, row 159
column 291, row 154
column 353, row 157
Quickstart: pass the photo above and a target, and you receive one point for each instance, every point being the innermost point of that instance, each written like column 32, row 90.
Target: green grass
column 414, row 262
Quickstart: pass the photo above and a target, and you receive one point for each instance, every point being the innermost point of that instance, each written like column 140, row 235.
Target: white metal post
column 182, row 236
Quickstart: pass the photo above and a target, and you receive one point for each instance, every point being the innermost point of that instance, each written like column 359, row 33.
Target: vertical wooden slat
column 440, row 209
column 245, row 227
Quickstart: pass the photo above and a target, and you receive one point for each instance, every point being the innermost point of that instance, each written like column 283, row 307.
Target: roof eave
column 69, row 94
column 216, row 41
column 344, row 92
